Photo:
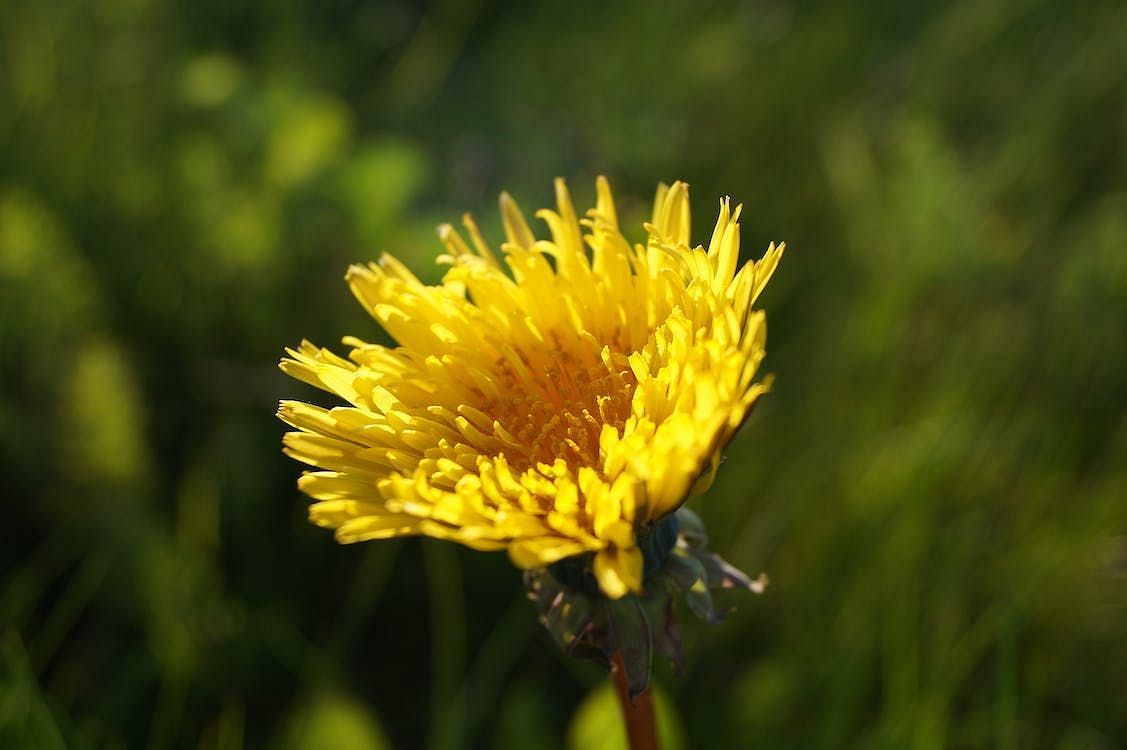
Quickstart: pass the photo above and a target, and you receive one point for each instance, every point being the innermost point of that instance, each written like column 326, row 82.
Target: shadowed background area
column 936, row 486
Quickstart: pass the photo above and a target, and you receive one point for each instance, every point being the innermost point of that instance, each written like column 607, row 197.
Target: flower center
column 557, row 407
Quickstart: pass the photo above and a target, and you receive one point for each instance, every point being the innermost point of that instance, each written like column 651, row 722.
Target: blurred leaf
column 332, row 720
column 597, row 723
column 47, row 286
column 310, row 133
column 26, row 718
column 102, row 436
column 378, row 184
column 209, row 80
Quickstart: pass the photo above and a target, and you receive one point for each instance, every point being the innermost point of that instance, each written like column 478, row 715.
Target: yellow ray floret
column 553, row 399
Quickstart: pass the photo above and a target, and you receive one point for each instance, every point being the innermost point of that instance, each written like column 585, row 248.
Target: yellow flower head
column 553, row 402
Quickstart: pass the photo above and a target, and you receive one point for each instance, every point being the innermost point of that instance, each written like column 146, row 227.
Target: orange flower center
column 558, row 408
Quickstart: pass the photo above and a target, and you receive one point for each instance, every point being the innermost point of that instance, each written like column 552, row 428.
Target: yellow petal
column 619, row 572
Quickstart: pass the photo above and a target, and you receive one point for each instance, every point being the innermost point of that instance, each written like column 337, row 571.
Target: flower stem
column 638, row 714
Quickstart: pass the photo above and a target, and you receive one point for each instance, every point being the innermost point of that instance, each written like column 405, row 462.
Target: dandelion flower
column 554, row 400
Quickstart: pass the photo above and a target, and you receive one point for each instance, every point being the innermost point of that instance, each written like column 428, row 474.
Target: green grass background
column 937, row 485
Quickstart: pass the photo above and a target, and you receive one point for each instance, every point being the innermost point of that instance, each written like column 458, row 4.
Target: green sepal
column 629, row 633
column 692, row 580
column 667, row 638
column 586, row 624
column 721, row 574
column 566, row 616
column 692, row 531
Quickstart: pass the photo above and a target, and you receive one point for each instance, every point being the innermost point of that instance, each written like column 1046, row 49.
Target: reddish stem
column 638, row 714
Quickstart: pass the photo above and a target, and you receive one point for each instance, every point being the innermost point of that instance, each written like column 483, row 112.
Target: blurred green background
column 937, row 486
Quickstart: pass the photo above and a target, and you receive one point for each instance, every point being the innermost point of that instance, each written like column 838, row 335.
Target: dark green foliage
column 935, row 486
